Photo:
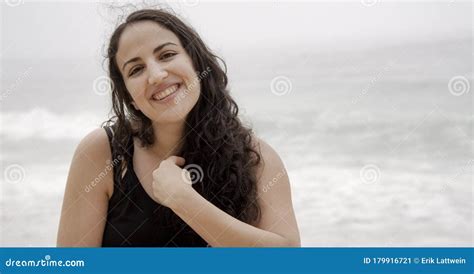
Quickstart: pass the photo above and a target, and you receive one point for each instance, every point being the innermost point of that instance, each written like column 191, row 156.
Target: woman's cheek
column 136, row 92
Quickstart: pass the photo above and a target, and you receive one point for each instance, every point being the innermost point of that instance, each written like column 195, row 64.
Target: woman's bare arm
column 88, row 188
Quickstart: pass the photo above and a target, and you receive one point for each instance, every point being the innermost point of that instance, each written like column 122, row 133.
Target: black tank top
column 134, row 219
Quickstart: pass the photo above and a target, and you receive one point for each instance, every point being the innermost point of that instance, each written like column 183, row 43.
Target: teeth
column 165, row 92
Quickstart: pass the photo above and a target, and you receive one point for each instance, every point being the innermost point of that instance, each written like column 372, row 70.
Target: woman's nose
column 156, row 74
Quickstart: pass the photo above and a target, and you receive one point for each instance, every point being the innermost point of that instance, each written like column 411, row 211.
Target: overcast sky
column 78, row 30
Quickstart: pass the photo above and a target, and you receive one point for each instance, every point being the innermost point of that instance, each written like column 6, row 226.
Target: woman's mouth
column 167, row 94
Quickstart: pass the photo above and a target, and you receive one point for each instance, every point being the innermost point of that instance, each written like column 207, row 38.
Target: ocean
column 378, row 142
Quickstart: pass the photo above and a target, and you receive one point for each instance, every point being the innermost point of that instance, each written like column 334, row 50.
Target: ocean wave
column 41, row 123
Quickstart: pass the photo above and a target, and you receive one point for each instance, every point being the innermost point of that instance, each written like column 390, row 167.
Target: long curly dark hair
column 215, row 138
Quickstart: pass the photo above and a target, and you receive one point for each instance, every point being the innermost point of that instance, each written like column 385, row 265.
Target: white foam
column 41, row 123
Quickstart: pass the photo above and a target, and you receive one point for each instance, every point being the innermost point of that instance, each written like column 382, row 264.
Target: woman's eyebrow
column 160, row 47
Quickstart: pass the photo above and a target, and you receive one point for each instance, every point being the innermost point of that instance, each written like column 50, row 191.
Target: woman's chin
column 173, row 114
column 173, row 111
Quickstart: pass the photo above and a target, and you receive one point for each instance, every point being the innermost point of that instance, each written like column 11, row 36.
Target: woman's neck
column 168, row 139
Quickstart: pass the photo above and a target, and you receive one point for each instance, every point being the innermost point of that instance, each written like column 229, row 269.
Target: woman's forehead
column 143, row 36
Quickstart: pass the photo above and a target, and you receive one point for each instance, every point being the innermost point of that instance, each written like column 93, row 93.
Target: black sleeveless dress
column 134, row 219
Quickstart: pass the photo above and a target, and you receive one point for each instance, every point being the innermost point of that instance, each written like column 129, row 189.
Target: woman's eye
column 167, row 55
column 134, row 71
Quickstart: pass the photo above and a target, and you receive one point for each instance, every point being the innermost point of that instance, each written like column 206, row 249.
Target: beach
column 377, row 140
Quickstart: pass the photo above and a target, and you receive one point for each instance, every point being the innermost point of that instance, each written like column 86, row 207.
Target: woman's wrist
column 182, row 199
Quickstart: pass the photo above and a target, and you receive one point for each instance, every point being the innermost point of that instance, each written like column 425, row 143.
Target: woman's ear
column 134, row 105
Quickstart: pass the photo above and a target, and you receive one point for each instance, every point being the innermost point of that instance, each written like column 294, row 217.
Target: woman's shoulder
column 91, row 158
column 265, row 150
column 95, row 144
column 270, row 161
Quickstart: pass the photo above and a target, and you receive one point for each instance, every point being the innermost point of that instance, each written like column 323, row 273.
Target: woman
column 175, row 167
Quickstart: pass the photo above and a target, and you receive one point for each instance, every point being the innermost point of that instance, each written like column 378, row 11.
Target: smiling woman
column 186, row 172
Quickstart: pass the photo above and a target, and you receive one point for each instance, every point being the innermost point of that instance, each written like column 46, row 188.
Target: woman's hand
column 170, row 182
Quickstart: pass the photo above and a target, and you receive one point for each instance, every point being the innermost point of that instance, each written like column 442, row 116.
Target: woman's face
column 157, row 71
